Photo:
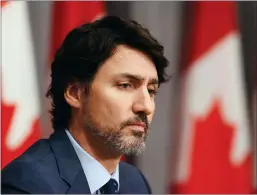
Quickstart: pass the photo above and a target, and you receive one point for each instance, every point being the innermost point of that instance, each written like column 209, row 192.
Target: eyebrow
column 153, row 81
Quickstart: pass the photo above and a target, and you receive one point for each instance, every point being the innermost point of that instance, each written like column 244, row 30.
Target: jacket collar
column 69, row 165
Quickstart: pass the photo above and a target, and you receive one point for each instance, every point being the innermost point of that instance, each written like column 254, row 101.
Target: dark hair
column 83, row 51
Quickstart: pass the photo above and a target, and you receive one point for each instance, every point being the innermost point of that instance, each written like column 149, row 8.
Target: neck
column 108, row 158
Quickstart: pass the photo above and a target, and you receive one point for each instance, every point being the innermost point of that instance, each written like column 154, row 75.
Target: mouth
column 138, row 126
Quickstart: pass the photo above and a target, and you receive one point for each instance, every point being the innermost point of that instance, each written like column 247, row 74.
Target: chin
column 132, row 145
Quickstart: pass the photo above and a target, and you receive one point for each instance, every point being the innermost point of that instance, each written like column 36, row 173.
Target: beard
column 115, row 137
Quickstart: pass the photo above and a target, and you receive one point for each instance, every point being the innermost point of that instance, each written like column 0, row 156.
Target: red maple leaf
column 7, row 153
column 211, row 168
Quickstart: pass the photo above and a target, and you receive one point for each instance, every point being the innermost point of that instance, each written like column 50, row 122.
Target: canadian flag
column 20, row 100
column 214, row 145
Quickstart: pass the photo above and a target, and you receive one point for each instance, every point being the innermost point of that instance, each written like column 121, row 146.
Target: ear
column 73, row 94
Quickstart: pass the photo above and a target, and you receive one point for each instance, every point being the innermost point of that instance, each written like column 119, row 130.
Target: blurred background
column 203, row 136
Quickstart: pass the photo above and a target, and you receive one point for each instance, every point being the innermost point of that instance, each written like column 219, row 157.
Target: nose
column 143, row 103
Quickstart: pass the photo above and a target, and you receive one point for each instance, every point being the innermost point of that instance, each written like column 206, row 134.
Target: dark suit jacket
column 52, row 166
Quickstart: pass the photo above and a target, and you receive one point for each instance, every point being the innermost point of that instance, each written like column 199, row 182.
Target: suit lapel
column 69, row 165
column 79, row 185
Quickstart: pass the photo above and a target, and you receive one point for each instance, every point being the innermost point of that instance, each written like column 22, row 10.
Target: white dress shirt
column 96, row 174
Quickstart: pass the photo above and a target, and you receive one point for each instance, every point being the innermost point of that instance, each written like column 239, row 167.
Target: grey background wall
column 164, row 19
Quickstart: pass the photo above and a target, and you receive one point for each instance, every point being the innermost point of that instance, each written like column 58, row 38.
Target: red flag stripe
column 68, row 15
column 209, row 23
column 3, row 3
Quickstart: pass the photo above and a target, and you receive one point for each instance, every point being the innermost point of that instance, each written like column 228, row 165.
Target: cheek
column 108, row 107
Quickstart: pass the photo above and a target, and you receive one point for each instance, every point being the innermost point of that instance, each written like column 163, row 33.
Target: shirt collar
column 95, row 173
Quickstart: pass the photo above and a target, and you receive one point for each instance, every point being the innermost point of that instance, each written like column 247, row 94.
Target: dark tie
column 111, row 187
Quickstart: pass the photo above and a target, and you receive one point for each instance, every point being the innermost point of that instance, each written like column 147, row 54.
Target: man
column 104, row 80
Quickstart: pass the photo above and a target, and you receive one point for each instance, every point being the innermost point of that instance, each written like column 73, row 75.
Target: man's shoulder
column 130, row 169
column 131, row 174
column 33, row 170
column 33, row 155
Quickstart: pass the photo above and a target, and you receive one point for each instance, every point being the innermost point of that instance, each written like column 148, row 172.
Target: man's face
column 120, row 104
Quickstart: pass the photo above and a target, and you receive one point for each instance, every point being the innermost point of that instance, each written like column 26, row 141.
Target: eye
column 124, row 85
column 152, row 92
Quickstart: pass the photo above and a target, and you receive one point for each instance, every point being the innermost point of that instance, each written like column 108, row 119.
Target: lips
column 138, row 126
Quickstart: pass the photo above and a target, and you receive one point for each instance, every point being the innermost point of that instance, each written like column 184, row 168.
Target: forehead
column 129, row 60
